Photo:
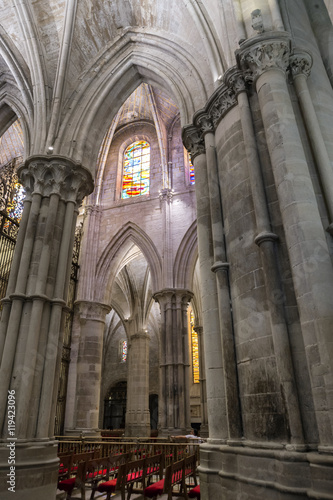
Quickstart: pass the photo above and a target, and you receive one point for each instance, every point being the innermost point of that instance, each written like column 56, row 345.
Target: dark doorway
column 153, row 408
column 115, row 407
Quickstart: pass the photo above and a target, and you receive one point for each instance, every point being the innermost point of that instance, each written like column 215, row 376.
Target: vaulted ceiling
column 67, row 66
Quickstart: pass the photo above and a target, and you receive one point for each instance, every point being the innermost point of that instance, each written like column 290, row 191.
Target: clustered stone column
column 267, row 57
column 31, row 326
column 216, row 399
column 266, row 240
column 137, row 410
column 174, row 401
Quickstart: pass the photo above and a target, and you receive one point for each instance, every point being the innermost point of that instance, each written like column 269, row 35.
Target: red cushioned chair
column 195, row 493
column 76, row 482
column 115, row 462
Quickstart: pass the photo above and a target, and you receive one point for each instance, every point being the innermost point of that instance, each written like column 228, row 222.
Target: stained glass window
column 123, row 351
column 15, row 205
column 191, row 171
column 136, row 173
column 195, row 351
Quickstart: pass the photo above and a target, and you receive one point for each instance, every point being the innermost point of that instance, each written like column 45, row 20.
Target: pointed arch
column 108, row 265
column 128, row 62
column 186, row 258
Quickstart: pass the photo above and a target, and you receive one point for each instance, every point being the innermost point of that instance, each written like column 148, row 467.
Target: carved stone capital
column 57, row 175
column 92, row 311
column 300, row 63
column 175, row 295
column 92, row 210
column 235, row 79
column 205, row 123
column 193, row 141
column 265, row 52
column 223, row 99
column 166, row 194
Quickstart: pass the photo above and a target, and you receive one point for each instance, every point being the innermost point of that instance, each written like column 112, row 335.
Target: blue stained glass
column 136, row 173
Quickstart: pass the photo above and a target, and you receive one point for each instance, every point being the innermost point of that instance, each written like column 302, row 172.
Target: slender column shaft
column 216, row 404
column 316, row 139
column 179, row 368
column 36, row 317
column 17, row 304
column 6, row 304
column 221, row 268
column 186, row 371
column 202, row 374
column 56, row 314
column 276, row 15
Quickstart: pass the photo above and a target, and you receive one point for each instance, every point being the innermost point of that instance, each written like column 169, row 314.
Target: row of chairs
column 122, row 473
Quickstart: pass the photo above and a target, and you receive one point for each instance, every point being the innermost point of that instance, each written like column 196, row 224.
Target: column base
column 135, row 430
column 36, row 469
column 233, row 473
column 83, row 433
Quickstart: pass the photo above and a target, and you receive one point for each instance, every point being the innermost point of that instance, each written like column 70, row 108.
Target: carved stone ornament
column 166, row 194
column 264, row 52
column 236, row 80
column 57, row 175
column 193, row 141
column 205, row 123
column 220, row 103
column 300, row 63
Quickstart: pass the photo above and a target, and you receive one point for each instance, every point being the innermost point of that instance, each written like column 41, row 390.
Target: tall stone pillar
column 202, row 378
column 137, row 410
column 267, row 57
column 86, row 290
column 32, row 327
column 216, row 400
column 174, row 399
column 221, row 270
column 89, row 366
column 266, row 240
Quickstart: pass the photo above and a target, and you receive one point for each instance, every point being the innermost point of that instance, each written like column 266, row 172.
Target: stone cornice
column 256, row 55
column 207, row 119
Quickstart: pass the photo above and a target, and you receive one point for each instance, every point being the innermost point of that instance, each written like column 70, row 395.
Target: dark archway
column 115, row 407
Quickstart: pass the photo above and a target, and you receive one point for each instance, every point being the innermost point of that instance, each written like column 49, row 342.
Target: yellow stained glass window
column 195, row 351
column 136, row 170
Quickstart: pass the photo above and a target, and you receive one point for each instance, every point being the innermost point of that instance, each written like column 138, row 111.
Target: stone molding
column 220, row 266
column 265, row 236
column 206, row 120
column 56, row 175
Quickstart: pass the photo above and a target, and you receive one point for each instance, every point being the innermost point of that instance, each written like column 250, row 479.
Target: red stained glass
column 136, row 175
